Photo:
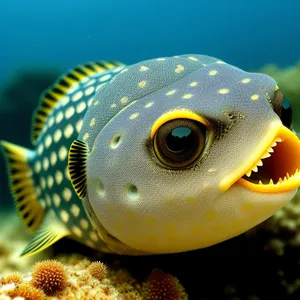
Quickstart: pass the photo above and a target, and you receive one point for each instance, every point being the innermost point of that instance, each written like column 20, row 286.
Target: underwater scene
column 149, row 150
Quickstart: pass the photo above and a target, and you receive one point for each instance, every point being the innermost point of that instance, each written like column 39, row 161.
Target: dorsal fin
column 61, row 87
column 22, row 185
column 77, row 159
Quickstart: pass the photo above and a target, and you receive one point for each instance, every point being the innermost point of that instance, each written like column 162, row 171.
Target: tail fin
column 22, row 184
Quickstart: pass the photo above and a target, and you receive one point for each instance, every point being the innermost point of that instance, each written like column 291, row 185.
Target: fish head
column 195, row 162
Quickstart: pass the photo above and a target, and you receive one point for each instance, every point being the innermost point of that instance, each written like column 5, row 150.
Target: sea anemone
column 161, row 285
column 98, row 270
column 27, row 292
column 49, row 276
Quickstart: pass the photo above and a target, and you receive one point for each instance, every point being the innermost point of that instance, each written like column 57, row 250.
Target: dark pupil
column 286, row 113
column 179, row 139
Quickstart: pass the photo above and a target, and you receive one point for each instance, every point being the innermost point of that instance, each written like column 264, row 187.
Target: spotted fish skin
column 105, row 173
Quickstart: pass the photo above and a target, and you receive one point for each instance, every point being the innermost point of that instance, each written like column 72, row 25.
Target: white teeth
column 255, row 169
column 249, row 173
column 259, row 163
column 274, row 144
column 266, row 155
column 271, row 181
column 271, row 150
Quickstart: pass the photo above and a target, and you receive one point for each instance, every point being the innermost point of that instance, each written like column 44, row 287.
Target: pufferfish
column 166, row 155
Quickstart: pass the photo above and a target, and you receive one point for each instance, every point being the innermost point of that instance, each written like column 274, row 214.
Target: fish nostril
column 115, row 141
column 100, row 188
column 132, row 192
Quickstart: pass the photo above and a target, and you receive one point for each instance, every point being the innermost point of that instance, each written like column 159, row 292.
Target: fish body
column 167, row 155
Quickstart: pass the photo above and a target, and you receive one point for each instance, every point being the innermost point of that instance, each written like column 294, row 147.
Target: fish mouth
column 277, row 167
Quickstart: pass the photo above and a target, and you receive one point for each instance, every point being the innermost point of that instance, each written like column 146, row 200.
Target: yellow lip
column 277, row 158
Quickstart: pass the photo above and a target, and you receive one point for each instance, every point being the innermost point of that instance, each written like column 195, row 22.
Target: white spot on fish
column 62, row 153
column 58, row 177
column 93, row 236
column 89, row 91
column 187, row 96
column 96, row 103
column 68, row 131
column 194, row 83
column 48, row 141
column 77, row 231
column 45, row 164
column 144, row 68
column 113, row 105
column 80, row 107
column 64, row 216
column 105, row 78
column 37, row 166
column 84, row 224
column 42, row 182
column 86, row 136
column 142, row 84
column 124, row 100
column 59, row 117
column 93, row 122
column 67, row 194
column 79, row 125
column 69, row 112
column 246, row 80
column 50, row 181
column 179, row 69
column 75, row 210
column 77, row 96
column 40, row 149
column 51, row 122
column 57, row 135
column 193, row 58
column 148, row 104
column 160, row 59
column 53, row 158
column 255, row 97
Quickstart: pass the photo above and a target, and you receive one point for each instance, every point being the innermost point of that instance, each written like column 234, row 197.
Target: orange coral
column 160, row 285
column 49, row 276
column 98, row 270
column 27, row 292
column 12, row 278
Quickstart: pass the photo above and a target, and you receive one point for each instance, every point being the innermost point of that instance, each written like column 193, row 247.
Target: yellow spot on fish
column 212, row 72
column 171, row 92
column 59, row 117
column 69, row 112
column 45, row 164
column 86, row 136
column 144, row 68
column 56, row 200
column 194, row 83
column 142, row 84
column 276, row 88
column 93, row 236
column 113, row 105
column 48, row 141
column 80, row 107
column 193, row 58
column 50, row 181
column 220, row 62
column 89, row 91
column 67, row 194
column 57, row 135
column 179, row 69
column 37, row 166
column 224, row 91
column 58, row 177
column 187, row 96
column 124, row 100
column 77, row 96
column 160, row 59
column 148, row 104
column 210, row 214
column 96, row 103
column 93, row 122
column 62, row 153
column 68, row 131
column 133, row 116
column 84, row 224
column 79, row 125
column 75, row 210
column 171, row 228
column 64, row 216
column 255, row 97
column 246, row 80
column 77, row 231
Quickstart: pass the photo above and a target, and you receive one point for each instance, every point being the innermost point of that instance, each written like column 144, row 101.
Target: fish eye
column 283, row 109
column 179, row 142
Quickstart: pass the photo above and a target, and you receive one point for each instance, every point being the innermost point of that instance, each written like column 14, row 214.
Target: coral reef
column 74, row 278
